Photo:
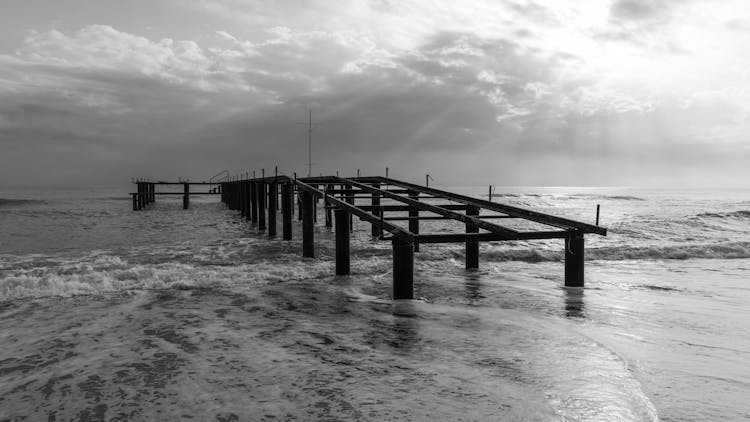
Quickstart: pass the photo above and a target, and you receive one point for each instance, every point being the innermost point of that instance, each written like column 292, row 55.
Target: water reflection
column 574, row 303
column 405, row 327
column 473, row 292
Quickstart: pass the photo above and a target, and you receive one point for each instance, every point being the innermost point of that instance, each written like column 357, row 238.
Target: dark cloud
column 456, row 106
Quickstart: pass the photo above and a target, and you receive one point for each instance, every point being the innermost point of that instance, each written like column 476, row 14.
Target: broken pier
column 382, row 201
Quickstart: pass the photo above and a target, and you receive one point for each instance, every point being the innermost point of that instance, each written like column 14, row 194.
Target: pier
column 381, row 202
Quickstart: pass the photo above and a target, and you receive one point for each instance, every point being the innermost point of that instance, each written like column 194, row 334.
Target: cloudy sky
column 509, row 92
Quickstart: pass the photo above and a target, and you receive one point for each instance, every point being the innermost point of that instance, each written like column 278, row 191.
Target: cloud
column 481, row 97
column 638, row 9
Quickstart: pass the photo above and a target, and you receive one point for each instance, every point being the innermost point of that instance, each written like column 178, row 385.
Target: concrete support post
column 299, row 206
column 261, row 206
column 287, row 201
column 254, row 202
column 329, row 216
column 403, row 269
column 248, row 200
column 272, row 198
column 574, row 259
column 377, row 231
column 185, row 196
column 230, row 195
column 235, row 192
column 308, row 225
column 342, row 242
column 243, row 199
column 135, row 201
column 414, row 219
column 350, row 200
column 472, row 246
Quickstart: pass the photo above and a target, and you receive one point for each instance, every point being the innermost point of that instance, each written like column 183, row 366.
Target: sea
column 107, row 314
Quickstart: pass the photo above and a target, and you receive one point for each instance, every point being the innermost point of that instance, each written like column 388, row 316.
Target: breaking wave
column 499, row 252
column 724, row 215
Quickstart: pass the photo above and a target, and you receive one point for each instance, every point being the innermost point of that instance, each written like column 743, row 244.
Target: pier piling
column 329, row 218
column 185, row 196
column 574, row 259
column 254, row 202
column 342, row 242
column 414, row 218
column 403, row 269
column 287, row 205
column 261, row 196
column 272, row 197
column 308, row 229
column 248, row 189
column 376, row 229
column 472, row 246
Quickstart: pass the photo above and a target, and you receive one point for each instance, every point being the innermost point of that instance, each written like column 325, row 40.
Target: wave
column 624, row 198
column 564, row 196
column 11, row 202
column 726, row 215
column 498, row 252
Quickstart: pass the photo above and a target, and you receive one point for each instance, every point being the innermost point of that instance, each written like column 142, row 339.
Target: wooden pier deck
column 259, row 200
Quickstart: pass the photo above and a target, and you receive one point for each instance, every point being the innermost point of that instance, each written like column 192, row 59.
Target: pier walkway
column 382, row 201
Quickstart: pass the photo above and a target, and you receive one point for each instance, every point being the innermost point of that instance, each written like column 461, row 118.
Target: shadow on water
column 575, row 306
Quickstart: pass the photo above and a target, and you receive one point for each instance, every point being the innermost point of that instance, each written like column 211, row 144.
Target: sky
column 505, row 92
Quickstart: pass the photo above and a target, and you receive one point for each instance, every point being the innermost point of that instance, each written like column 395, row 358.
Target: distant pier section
column 381, row 202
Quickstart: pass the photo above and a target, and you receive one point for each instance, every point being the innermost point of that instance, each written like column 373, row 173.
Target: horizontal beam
column 361, row 192
column 538, row 217
column 439, row 217
column 192, row 193
column 279, row 178
column 494, row 228
column 363, row 215
column 486, row 237
column 397, row 208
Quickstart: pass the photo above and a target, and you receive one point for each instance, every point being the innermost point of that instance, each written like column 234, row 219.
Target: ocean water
column 170, row 314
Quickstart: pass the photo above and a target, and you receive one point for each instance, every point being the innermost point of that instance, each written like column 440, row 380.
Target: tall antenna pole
column 309, row 146
column 310, row 126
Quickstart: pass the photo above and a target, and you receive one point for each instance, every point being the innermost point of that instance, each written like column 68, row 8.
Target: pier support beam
column 241, row 197
column 472, row 246
column 261, row 195
column 254, row 202
column 403, row 269
column 135, row 201
column 287, row 205
column 574, row 259
column 342, row 242
column 376, row 230
column 299, row 206
column 414, row 220
column 329, row 217
column 230, row 196
column 350, row 199
column 308, row 225
column 185, row 196
column 272, row 197
column 248, row 192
